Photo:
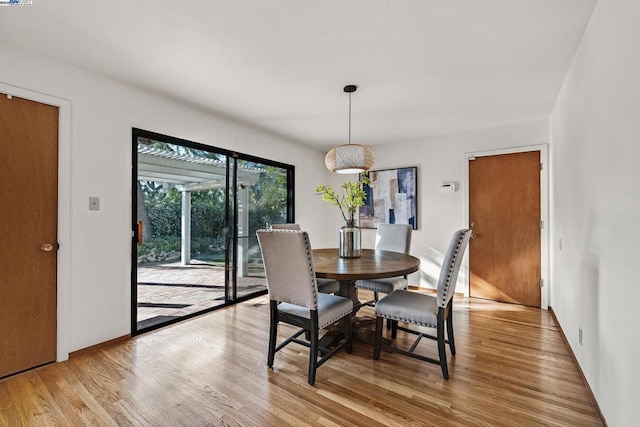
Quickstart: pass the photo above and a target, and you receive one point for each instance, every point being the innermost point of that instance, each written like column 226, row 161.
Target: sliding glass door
column 261, row 200
column 196, row 210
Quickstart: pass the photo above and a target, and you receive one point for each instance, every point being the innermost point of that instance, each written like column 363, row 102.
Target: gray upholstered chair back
column 287, row 226
column 451, row 266
column 288, row 266
column 394, row 238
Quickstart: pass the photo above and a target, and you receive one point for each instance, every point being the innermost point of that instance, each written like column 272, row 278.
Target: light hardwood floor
column 512, row 368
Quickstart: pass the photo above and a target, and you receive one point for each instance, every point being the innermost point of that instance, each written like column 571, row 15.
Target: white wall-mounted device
column 447, row 187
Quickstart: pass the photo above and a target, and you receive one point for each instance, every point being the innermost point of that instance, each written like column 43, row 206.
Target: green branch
column 351, row 198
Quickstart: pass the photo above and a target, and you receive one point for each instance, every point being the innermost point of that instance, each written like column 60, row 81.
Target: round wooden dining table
column 373, row 264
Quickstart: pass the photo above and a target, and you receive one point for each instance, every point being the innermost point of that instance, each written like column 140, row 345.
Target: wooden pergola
column 191, row 173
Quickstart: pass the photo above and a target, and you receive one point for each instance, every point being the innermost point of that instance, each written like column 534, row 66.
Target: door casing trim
column 63, row 278
column 544, row 213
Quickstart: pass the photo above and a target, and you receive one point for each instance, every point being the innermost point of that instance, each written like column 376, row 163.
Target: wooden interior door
column 28, row 233
column 504, row 216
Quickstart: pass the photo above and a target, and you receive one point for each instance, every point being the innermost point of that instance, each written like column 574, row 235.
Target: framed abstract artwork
column 392, row 198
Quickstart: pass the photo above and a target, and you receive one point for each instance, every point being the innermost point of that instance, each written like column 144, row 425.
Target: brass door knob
column 46, row 247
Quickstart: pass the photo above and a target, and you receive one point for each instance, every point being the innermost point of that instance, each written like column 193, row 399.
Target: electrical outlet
column 580, row 335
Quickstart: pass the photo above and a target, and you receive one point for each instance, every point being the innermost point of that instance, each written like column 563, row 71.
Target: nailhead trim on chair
column 310, row 261
column 399, row 319
column 443, row 304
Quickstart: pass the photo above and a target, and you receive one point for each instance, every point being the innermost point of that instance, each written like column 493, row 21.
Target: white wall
column 442, row 159
column 595, row 205
column 102, row 115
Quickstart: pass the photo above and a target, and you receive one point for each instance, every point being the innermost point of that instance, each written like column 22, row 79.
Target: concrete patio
column 168, row 291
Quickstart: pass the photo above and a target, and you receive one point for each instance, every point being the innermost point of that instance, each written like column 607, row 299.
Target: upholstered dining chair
column 294, row 297
column 393, row 238
column 326, row 286
column 425, row 310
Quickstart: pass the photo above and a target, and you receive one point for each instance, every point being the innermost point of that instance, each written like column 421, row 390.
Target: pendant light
column 349, row 158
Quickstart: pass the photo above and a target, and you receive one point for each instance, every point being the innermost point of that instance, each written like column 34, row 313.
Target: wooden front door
column 504, row 216
column 28, row 233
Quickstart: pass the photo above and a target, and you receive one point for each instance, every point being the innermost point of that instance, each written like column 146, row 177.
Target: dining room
column 441, row 90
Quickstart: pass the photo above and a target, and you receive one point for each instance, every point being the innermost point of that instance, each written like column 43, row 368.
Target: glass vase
column 350, row 241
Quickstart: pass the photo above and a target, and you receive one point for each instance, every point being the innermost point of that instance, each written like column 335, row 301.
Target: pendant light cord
column 349, row 117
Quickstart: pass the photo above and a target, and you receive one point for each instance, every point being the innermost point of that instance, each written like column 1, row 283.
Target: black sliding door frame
column 230, row 217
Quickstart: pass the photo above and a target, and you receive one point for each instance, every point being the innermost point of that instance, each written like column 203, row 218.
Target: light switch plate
column 94, row 203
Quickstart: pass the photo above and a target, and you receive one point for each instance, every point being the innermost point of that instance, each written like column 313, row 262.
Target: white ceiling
column 423, row 67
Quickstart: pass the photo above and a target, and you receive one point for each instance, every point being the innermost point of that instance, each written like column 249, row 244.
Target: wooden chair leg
column 273, row 332
column 348, row 332
column 441, row 348
column 313, row 350
column 394, row 329
column 377, row 342
column 452, row 344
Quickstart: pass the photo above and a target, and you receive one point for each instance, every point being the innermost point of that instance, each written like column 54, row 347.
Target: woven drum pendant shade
column 349, row 158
